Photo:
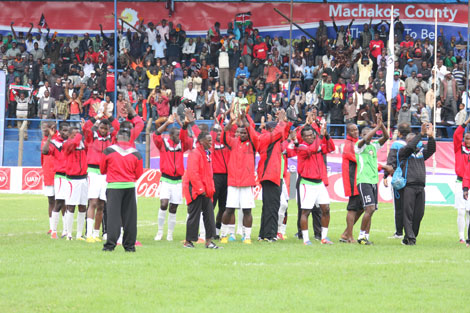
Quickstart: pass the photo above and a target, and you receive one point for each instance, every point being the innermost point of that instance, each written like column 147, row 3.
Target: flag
column 390, row 60
column 243, row 18
column 42, row 21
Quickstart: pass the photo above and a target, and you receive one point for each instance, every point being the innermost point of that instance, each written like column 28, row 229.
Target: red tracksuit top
column 462, row 154
column 310, row 162
column 121, row 163
column 138, row 123
column 95, row 143
column 47, row 164
column 171, row 154
column 75, row 153
column 56, row 150
column 220, row 153
column 241, row 167
column 270, row 152
column 349, row 167
column 198, row 177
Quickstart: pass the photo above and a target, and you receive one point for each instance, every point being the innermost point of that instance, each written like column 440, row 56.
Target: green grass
column 38, row 274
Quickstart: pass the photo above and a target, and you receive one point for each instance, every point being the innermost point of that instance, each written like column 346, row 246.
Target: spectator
column 449, row 94
column 46, row 105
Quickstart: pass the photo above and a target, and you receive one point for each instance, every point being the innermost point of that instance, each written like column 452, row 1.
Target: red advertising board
column 5, row 178
column 31, row 179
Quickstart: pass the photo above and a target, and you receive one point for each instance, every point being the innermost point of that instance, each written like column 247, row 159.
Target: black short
column 354, row 203
column 368, row 193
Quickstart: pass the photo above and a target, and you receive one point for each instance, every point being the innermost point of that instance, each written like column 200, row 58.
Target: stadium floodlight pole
column 290, row 48
column 435, row 88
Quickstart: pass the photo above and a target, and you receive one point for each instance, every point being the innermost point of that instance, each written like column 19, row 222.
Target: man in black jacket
column 412, row 157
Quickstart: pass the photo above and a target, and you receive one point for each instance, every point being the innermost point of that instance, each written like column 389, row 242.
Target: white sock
column 202, row 229
column 281, row 213
column 239, row 222
column 55, row 221
column 324, row 232
column 247, row 232
column 283, row 229
column 367, row 236
column 171, row 222
column 224, row 230
column 217, row 231
column 69, row 223
column 161, row 220
column 461, row 223
column 231, row 229
column 64, row 222
column 362, row 234
column 96, row 233
column 305, row 235
column 50, row 223
column 80, row 223
column 90, row 224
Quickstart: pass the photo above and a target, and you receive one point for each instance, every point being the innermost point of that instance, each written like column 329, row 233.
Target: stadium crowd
column 343, row 78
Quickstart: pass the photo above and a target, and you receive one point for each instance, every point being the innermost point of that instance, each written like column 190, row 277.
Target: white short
column 310, row 195
column 61, row 188
column 78, row 194
column 48, row 191
column 240, row 198
column 171, row 192
column 97, row 186
column 460, row 202
column 284, row 194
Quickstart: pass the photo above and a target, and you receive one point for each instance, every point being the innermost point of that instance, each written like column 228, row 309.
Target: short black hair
column 126, row 124
column 404, row 129
column 306, row 128
column 105, row 122
column 64, row 124
column 202, row 135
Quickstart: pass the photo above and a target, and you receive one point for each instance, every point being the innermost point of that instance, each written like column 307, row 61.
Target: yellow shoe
column 224, row 240
column 97, row 239
column 247, row 241
column 90, row 240
column 201, row 240
column 81, row 238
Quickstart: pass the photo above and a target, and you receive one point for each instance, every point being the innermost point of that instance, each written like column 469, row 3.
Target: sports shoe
column 105, row 237
column 64, row 234
column 69, row 238
column 201, row 240
column 90, row 240
column 364, row 241
column 317, row 238
column 159, row 236
column 395, row 236
column 247, row 241
column 169, row 237
column 216, row 237
column 280, row 236
column 462, row 241
column 188, row 244
column 326, row 241
column 308, row 243
column 49, row 232
column 138, row 244
column 54, row 235
column 232, row 238
column 223, row 240
column 212, row 245
column 97, row 239
column 81, row 238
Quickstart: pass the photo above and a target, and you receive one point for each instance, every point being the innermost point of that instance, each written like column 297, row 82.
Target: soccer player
column 411, row 159
column 54, row 146
column 348, row 172
column 462, row 163
column 172, row 168
column 199, row 189
column 367, row 174
column 122, row 165
column 97, row 138
column 47, row 164
column 75, row 153
column 312, row 169
column 270, row 172
column 403, row 130
column 241, row 176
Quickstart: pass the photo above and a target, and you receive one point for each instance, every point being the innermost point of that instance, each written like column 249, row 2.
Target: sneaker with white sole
column 158, row 236
column 169, row 237
column 395, row 236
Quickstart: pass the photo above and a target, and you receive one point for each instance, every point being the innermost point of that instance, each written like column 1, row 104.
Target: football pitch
column 38, row 274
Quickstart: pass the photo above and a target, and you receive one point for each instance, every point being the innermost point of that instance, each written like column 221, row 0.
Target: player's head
column 241, row 133
column 73, row 130
column 218, row 130
column 174, row 134
column 103, row 127
column 270, row 126
column 126, row 124
column 205, row 139
column 409, row 137
column 352, row 130
column 124, row 134
column 64, row 130
column 466, row 140
column 308, row 134
column 364, row 133
column 403, row 130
